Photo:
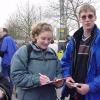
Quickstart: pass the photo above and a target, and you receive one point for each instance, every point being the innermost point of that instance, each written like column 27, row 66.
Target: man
column 80, row 63
column 7, row 50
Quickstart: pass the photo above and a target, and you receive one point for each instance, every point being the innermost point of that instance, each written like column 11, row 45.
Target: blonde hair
column 87, row 7
column 40, row 27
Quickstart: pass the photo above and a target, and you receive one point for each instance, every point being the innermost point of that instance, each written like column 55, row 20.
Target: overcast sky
column 8, row 7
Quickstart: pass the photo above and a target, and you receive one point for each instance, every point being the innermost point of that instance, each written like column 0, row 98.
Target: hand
column 44, row 79
column 1, row 93
column 69, row 82
column 83, row 89
column 58, row 83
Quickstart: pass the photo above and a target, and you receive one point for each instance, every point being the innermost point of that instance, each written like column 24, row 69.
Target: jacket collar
column 38, row 49
column 78, row 34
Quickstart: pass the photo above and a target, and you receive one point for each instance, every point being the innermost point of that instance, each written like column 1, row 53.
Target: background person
column 7, row 50
column 5, row 91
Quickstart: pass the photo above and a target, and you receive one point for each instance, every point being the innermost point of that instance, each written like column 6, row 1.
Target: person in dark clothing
column 5, row 90
column 80, row 63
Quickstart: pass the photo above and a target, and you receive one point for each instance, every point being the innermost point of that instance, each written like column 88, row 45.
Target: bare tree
column 71, row 19
column 20, row 23
column 25, row 17
column 13, row 27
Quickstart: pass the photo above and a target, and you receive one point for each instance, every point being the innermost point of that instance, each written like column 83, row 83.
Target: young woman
column 32, row 77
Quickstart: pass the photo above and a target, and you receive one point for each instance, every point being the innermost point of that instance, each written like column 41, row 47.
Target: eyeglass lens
column 90, row 16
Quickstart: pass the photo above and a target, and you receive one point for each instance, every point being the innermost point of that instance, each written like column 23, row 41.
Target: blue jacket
column 8, row 47
column 93, row 74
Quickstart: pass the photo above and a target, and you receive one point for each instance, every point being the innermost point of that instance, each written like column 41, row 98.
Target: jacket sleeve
column 3, row 48
column 95, row 84
column 20, row 75
column 66, row 61
column 4, row 45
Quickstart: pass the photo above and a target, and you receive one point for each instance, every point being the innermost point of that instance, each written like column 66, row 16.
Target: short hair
column 5, row 30
column 52, row 41
column 41, row 27
column 87, row 7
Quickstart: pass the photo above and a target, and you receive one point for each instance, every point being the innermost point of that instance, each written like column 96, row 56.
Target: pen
column 40, row 74
column 43, row 75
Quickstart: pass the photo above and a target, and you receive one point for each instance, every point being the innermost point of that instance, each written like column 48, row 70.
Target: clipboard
column 57, row 80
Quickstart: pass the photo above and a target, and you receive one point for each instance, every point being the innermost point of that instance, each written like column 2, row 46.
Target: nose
column 47, row 41
column 87, row 19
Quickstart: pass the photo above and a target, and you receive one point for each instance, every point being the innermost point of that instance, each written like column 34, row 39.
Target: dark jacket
column 5, row 87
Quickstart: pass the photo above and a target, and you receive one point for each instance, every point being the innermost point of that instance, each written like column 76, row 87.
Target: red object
column 76, row 98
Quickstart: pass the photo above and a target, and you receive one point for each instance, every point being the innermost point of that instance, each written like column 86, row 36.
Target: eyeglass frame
column 89, row 16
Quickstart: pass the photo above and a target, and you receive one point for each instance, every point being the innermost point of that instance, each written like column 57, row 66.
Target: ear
column 34, row 37
column 80, row 20
column 95, row 18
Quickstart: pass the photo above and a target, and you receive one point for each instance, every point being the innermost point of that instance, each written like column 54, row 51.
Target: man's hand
column 83, row 89
column 69, row 82
column 58, row 83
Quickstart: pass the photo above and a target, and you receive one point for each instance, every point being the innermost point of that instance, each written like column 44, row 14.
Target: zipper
column 88, row 68
column 74, row 56
column 43, row 55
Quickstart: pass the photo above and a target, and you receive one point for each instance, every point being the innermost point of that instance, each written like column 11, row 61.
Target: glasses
column 90, row 16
